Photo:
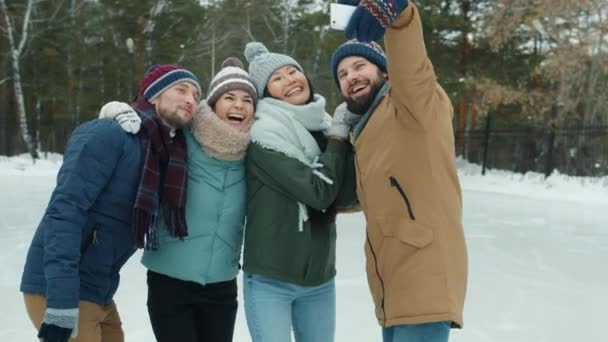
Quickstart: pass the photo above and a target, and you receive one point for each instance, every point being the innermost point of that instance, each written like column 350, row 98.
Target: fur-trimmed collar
column 216, row 137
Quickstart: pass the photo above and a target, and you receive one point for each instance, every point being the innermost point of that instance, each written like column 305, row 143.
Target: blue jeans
column 272, row 307
column 426, row 332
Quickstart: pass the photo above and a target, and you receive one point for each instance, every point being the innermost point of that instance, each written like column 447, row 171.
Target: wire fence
column 576, row 151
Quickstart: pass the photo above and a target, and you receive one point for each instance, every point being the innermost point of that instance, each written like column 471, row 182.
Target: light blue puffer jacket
column 215, row 213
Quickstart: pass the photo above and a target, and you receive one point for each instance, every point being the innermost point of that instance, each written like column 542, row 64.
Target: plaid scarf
column 163, row 179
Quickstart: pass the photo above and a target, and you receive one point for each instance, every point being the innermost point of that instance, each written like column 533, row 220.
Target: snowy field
column 537, row 259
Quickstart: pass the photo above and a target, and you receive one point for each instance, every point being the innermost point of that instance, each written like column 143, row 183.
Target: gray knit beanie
column 263, row 63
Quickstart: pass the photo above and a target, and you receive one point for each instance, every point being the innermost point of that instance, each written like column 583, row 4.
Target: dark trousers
column 186, row 311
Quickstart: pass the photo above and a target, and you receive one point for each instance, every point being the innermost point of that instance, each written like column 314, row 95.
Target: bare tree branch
column 26, row 25
column 56, row 12
column 15, row 54
column 5, row 79
column 269, row 26
column 574, row 67
column 247, row 30
column 247, row 27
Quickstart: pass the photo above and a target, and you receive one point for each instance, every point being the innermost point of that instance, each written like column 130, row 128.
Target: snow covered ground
column 537, row 259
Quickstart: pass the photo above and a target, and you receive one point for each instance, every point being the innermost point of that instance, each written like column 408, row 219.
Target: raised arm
column 411, row 74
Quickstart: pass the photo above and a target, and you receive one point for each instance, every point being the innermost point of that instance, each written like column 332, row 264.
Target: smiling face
column 290, row 85
column 235, row 107
column 176, row 104
column 359, row 80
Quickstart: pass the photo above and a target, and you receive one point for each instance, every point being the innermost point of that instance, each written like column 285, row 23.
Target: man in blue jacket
column 106, row 199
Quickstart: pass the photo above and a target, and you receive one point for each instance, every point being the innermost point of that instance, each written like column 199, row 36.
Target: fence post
column 486, row 146
column 549, row 162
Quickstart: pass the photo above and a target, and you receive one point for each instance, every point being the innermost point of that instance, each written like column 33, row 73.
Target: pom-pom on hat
column 368, row 50
column 262, row 63
column 231, row 77
column 161, row 77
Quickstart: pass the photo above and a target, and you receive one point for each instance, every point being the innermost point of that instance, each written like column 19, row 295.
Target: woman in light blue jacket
column 192, row 289
column 192, row 282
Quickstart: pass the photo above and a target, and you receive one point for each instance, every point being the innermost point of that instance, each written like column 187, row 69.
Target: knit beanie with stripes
column 161, row 77
column 231, row 77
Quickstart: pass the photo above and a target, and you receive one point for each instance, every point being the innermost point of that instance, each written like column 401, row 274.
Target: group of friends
column 259, row 166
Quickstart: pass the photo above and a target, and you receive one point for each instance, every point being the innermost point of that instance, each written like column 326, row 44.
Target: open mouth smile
column 294, row 91
column 358, row 88
column 235, row 118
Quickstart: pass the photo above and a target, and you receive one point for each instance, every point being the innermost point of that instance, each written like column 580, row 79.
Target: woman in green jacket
column 295, row 170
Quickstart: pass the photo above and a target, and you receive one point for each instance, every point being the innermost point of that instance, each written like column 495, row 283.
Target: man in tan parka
column 407, row 182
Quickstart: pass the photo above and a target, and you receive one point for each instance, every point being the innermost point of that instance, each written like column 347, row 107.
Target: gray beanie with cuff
column 262, row 63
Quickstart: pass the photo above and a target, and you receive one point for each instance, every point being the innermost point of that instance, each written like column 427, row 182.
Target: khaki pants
column 96, row 323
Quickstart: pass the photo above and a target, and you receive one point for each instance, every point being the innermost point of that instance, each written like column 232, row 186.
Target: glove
column 122, row 113
column 59, row 325
column 53, row 333
column 340, row 127
column 370, row 19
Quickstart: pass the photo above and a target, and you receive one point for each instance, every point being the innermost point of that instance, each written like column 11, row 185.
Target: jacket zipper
column 379, row 278
column 395, row 184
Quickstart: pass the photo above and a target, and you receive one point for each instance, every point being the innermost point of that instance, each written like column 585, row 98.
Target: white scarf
column 285, row 128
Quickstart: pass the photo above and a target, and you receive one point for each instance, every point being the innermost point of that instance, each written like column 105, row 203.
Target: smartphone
column 339, row 15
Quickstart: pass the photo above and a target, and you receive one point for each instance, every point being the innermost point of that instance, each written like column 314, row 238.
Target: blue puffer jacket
column 89, row 208
column 215, row 212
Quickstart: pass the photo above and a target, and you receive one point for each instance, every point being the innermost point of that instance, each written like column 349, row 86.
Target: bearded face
column 360, row 80
column 360, row 105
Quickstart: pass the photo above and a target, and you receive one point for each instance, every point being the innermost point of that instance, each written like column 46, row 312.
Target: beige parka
column 408, row 188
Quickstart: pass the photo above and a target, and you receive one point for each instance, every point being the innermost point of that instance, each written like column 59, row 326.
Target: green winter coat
column 274, row 245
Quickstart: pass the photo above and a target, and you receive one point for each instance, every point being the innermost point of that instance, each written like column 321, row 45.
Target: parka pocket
column 395, row 184
column 407, row 231
column 88, row 240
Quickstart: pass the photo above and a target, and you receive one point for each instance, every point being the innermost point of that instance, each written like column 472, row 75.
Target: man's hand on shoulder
column 123, row 114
